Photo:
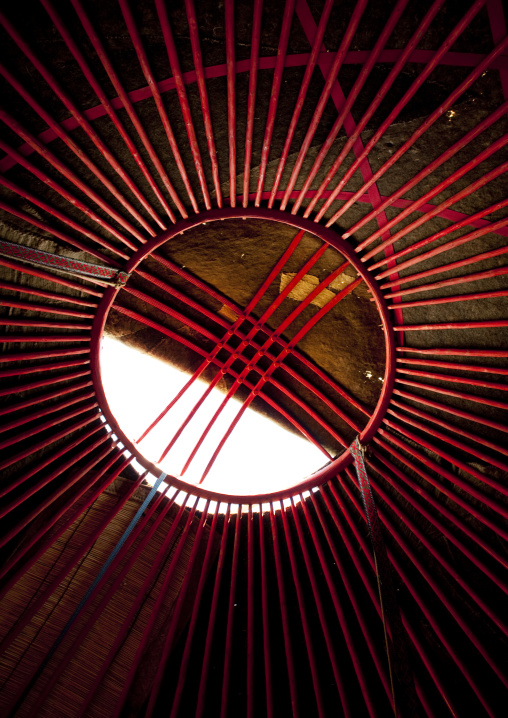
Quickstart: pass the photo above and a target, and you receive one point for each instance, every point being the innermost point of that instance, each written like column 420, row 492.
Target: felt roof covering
column 291, row 201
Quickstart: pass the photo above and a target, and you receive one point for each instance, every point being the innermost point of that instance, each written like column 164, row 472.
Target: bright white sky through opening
column 260, row 456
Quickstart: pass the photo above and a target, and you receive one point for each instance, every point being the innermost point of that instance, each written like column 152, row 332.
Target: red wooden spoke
column 265, row 617
column 423, row 128
column 434, row 237
column 230, row 615
column 380, row 95
column 353, row 652
column 448, row 300
column 34, row 469
column 305, row 622
column 56, row 232
column 74, row 647
column 452, row 59
column 274, row 94
column 339, row 100
column 436, row 554
column 178, row 608
column 284, row 615
column 169, row 573
column 47, row 308
column 348, row 104
column 68, row 196
column 55, row 162
column 141, row 595
column 203, row 95
column 451, row 200
column 457, row 351
column 12, row 424
column 311, row 63
column 243, row 313
column 448, row 475
column 42, row 427
column 435, row 587
column 47, row 442
column 452, row 378
column 213, row 612
column 190, row 634
column 39, row 398
column 254, row 62
column 321, row 613
column 36, row 292
column 91, row 488
column 430, row 120
column 14, row 531
column 444, row 205
column 453, row 325
column 307, row 326
column 45, row 382
column 445, row 437
column 426, row 612
column 173, row 401
column 231, row 74
column 44, row 338
column 453, row 365
column 460, row 395
column 337, row 516
column 475, row 259
column 42, row 323
column 332, row 75
column 29, row 613
column 250, row 614
column 127, row 104
column 451, row 392
column 183, row 298
column 441, row 507
column 59, row 132
column 418, row 177
column 362, row 542
column 182, row 96
column 108, row 108
column 452, row 410
column 390, row 446
column 62, row 95
column 43, row 354
column 147, row 72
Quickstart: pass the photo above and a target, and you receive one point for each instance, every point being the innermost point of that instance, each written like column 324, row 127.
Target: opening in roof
column 283, row 352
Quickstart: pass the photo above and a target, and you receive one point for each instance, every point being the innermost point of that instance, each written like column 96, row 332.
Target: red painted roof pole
column 309, row 69
column 147, row 72
column 203, row 95
column 115, row 81
column 182, row 96
column 287, row 19
column 108, row 107
column 426, row 124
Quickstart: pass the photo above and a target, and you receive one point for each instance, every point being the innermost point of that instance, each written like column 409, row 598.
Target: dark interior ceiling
column 96, row 161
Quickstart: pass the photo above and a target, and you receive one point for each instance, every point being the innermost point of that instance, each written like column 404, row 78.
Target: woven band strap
column 107, row 275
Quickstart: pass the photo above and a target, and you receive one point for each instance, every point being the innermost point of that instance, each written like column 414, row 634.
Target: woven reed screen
column 32, row 644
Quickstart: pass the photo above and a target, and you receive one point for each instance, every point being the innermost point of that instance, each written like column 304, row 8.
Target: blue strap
column 112, row 555
column 100, row 575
